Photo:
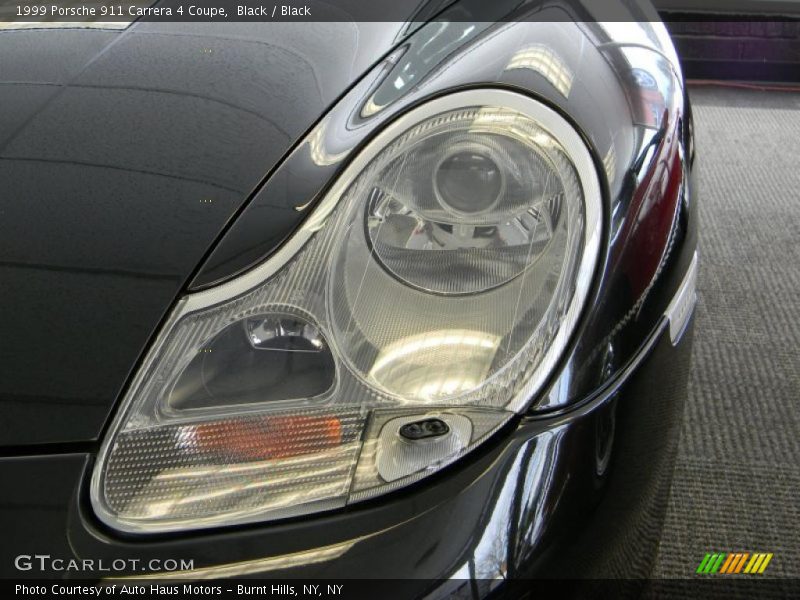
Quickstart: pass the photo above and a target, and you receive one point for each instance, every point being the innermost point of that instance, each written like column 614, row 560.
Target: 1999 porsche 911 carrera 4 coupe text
column 342, row 300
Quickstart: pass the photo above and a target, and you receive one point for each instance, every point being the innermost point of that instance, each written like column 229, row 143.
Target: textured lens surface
column 234, row 467
column 430, row 305
column 422, row 294
column 483, row 214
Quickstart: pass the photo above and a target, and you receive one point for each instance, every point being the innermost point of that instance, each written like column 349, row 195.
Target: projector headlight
column 423, row 303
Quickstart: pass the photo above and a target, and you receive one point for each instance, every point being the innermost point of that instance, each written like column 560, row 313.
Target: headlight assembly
column 423, row 303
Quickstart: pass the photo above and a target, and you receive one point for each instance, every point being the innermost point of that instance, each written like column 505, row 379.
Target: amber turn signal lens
column 269, row 438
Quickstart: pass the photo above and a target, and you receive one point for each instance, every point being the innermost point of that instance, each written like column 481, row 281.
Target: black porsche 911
column 395, row 300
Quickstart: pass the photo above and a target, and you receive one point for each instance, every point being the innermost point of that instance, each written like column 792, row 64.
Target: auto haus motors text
column 186, row 589
column 117, row 589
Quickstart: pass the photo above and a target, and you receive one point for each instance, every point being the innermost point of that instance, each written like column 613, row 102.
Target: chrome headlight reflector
column 422, row 304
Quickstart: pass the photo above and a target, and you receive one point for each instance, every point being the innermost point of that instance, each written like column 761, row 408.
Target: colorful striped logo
column 734, row 563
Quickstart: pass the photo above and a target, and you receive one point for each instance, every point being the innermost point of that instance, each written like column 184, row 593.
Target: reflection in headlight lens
column 438, row 282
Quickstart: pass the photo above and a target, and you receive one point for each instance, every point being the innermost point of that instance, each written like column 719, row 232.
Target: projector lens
column 468, row 181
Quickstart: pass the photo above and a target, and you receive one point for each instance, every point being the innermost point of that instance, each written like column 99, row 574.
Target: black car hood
column 123, row 154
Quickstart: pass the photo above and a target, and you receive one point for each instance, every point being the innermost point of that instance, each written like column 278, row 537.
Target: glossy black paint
column 561, row 491
column 577, row 495
column 121, row 169
column 123, row 154
column 624, row 95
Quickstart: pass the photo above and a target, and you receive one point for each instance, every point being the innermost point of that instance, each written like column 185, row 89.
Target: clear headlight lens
column 423, row 303
column 476, row 194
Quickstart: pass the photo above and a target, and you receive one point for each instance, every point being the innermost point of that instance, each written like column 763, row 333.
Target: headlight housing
column 422, row 304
